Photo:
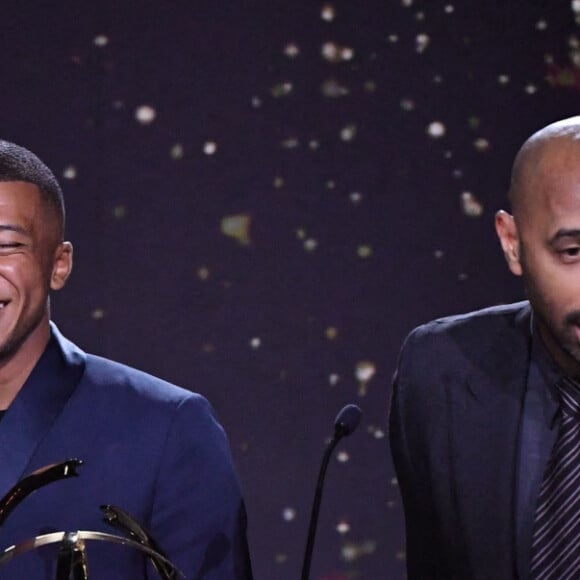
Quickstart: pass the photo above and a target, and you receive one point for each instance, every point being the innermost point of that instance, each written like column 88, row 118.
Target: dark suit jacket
column 149, row 447
column 454, row 428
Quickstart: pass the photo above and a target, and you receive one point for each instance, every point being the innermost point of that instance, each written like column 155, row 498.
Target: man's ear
column 62, row 265
column 507, row 232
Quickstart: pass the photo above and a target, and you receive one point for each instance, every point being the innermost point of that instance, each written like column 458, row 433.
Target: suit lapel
column 485, row 422
column 38, row 404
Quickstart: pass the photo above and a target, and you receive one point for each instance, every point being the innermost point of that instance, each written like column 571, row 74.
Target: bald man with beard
column 483, row 428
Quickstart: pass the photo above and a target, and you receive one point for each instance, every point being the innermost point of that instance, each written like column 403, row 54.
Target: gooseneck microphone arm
column 345, row 423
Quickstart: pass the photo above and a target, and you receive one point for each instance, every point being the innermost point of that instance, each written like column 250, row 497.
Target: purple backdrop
column 266, row 196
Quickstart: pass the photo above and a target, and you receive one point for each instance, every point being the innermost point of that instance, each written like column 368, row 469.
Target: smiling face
column 542, row 243
column 33, row 260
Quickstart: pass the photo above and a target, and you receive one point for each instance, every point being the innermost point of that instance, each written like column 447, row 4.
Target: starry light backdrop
column 266, row 196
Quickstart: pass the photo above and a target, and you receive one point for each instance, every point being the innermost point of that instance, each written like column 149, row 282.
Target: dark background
column 289, row 214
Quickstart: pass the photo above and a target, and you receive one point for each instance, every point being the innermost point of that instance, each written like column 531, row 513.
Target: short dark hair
column 20, row 164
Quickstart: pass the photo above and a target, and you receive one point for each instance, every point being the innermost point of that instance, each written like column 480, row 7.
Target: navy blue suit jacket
column 454, row 426
column 149, row 447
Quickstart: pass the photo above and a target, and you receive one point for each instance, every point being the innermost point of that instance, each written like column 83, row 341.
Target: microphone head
column 347, row 420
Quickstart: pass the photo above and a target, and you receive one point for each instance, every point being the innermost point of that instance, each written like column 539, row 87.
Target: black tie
column 556, row 539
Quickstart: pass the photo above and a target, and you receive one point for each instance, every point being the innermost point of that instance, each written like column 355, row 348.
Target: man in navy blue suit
column 476, row 408
column 151, row 448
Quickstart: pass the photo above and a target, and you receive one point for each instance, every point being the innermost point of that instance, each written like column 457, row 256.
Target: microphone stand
column 316, row 504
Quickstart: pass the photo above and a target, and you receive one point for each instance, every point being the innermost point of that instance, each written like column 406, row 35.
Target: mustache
column 573, row 318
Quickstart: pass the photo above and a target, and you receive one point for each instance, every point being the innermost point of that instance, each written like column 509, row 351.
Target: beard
column 559, row 332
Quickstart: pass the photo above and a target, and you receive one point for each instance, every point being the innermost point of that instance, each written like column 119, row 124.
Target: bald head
column 551, row 151
column 541, row 240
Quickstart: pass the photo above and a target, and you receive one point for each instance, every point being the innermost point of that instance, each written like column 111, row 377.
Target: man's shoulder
column 483, row 322
column 101, row 379
column 477, row 339
column 107, row 374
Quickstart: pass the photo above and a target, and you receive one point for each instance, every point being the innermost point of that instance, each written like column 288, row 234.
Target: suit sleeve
column 423, row 552
column 198, row 515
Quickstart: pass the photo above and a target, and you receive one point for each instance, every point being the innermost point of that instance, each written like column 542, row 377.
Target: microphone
column 345, row 423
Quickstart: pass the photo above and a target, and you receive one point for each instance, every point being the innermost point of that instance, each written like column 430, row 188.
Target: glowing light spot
column 370, row 86
column 351, row 551
column 176, row 152
column 256, row 342
column 333, row 379
column 355, row 197
column 343, row 527
column 101, row 40
column 328, row 13
column 481, row 144
column 70, row 172
column 407, row 104
column 365, row 371
column 98, row 314
column 332, row 89
column 422, row 41
column 436, row 130
column 310, row 244
column 348, row 133
column 120, row 211
column 237, row 227
column 471, row 206
column 333, row 52
column 145, row 114
column 288, row 514
column 203, row 273
column 282, row 90
column 290, row 143
column 210, row 147
column 347, row 53
column 291, row 50
column 331, row 333
column 364, row 251
column 342, row 456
